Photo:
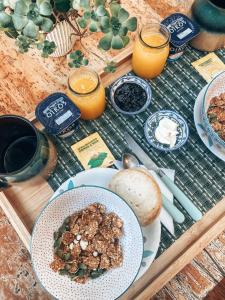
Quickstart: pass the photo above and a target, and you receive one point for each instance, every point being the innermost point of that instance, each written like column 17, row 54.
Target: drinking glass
column 25, row 152
column 151, row 49
column 87, row 92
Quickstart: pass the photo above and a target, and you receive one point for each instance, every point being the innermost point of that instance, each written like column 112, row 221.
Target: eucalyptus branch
column 89, row 51
column 70, row 23
column 55, row 16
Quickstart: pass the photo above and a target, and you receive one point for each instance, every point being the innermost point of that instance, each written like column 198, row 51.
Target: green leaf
column 85, row 61
column 110, row 67
column 21, row 8
column 45, row 8
column 71, row 65
column 87, row 15
column 33, row 12
column 62, row 5
column 76, row 4
column 123, row 31
column 5, row 19
column 19, row 21
column 2, row 6
column 23, row 43
column 93, row 27
column 131, row 24
column 47, row 25
column 10, row 3
column 123, row 15
column 39, row 20
column 114, row 8
column 116, row 25
column 94, row 17
column 97, row 161
column 100, row 2
column 11, row 32
column 96, row 273
column 126, row 40
column 117, row 42
column 82, row 22
column 101, row 11
column 105, row 24
column 105, row 41
column 30, row 30
column 84, row 4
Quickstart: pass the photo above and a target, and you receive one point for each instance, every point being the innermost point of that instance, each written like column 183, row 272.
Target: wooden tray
column 22, row 205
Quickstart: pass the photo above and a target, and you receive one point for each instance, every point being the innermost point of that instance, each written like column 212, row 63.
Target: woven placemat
column 198, row 172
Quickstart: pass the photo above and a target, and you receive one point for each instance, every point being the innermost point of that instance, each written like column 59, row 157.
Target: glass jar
column 87, row 92
column 151, row 50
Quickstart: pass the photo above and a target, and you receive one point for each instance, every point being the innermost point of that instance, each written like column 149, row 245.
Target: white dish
column 215, row 148
column 113, row 283
column 101, row 177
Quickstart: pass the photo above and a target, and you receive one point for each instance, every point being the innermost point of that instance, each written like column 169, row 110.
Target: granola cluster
column 87, row 244
column 216, row 114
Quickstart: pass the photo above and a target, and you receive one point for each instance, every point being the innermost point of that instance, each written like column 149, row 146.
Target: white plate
column 101, row 177
column 215, row 148
column 113, row 283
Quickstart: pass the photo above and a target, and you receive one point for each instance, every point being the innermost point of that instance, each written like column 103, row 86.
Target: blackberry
column 130, row 97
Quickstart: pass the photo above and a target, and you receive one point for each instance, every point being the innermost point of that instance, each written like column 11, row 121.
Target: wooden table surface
column 24, row 81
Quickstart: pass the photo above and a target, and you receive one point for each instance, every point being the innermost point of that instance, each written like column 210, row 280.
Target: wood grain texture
column 218, row 292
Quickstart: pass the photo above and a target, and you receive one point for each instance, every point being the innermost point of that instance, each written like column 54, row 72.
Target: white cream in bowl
column 166, row 132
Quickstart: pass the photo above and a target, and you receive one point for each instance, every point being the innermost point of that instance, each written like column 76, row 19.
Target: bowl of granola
column 83, row 243
column 213, row 109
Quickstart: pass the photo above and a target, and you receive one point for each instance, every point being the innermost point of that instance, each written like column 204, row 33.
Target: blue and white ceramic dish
column 153, row 122
column 101, row 177
column 211, row 144
column 131, row 79
column 215, row 88
column 113, row 283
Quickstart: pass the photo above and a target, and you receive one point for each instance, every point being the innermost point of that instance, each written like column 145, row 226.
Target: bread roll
column 139, row 189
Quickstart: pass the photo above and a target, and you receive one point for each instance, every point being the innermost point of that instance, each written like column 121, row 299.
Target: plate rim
column 213, row 149
column 154, row 247
column 70, row 190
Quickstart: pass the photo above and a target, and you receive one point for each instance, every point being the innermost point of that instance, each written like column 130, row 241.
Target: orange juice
column 151, row 50
column 88, row 93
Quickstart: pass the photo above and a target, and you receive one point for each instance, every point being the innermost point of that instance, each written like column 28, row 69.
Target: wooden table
column 25, row 80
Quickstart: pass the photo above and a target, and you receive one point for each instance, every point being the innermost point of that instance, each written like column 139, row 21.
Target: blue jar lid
column 56, row 113
column 181, row 28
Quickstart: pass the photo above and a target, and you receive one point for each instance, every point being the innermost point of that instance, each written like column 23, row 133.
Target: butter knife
column 192, row 210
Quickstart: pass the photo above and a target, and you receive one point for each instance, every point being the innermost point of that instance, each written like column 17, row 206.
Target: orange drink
column 151, row 50
column 87, row 92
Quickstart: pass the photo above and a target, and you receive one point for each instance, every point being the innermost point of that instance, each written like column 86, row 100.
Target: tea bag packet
column 209, row 66
column 92, row 152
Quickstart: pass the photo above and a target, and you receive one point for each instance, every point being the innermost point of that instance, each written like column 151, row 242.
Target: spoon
column 130, row 161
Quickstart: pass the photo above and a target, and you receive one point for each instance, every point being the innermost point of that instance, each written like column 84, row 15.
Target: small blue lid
column 181, row 28
column 56, row 113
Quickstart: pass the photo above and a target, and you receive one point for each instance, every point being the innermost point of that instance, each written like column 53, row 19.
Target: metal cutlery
column 192, row 210
column 130, row 161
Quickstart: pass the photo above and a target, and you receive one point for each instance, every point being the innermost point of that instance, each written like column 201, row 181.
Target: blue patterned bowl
column 131, row 79
column 153, row 122
column 215, row 88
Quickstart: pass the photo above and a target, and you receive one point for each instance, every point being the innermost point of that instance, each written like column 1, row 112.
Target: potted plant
column 31, row 22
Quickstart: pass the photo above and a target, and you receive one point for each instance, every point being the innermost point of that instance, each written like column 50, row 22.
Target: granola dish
column 216, row 114
column 87, row 244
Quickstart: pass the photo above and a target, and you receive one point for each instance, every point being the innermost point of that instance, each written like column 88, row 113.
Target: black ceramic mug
column 25, row 152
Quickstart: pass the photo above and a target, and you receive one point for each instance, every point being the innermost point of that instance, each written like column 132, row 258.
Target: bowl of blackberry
column 130, row 95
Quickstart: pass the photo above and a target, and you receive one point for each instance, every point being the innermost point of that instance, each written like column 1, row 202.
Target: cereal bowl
column 214, row 89
column 114, row 282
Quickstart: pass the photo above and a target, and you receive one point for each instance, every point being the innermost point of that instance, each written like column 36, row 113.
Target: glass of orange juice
column 151, row 50
column 87, row 92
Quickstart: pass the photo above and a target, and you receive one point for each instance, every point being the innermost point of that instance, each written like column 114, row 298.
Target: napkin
column 164, row 216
